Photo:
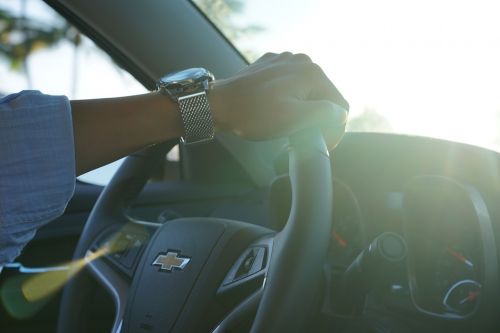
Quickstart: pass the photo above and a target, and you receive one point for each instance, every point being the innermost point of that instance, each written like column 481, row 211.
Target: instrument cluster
column 447, row 228
column 451, row 264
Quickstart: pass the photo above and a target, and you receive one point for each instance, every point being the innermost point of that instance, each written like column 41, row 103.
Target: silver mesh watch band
column 196, row 118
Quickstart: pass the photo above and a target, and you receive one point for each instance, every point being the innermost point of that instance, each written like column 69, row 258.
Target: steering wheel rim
column 296, row 258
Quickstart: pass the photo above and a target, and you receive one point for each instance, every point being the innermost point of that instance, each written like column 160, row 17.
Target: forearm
column 275, row 96
column 108, row 129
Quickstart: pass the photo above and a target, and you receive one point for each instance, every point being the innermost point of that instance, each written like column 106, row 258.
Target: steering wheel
column 183, row 266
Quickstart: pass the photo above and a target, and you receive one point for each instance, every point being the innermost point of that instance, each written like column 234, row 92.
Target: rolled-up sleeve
column 37, row 166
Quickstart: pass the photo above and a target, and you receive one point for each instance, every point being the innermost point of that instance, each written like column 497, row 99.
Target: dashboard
column 450, row 267
column 439, row 197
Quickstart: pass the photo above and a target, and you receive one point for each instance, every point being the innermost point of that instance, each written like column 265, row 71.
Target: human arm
column 37, row 170
column 108, row 129
column 275, row 96
column 44, row 139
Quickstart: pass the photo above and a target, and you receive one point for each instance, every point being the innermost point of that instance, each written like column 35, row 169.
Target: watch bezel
column 185, row 82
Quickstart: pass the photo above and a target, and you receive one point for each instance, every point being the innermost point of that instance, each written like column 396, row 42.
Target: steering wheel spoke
column 115, row 283
column 241, row 314
column 112, row 259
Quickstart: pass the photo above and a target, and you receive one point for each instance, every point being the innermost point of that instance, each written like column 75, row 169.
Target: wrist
column 168, row 117
column 217, row 102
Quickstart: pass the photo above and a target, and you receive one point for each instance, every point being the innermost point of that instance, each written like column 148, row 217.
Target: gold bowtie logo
column 170, row 261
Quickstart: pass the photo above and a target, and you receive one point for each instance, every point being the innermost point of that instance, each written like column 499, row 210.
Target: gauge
column 347, row 239
column 456, row 279
column 346, row 243
column 462, row 297
column 445, row 229
column 454, row 264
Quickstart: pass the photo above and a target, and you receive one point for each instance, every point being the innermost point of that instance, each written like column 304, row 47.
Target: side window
column 40, row 50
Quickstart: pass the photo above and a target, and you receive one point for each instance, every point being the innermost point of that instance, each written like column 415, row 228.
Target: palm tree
column 21, row 36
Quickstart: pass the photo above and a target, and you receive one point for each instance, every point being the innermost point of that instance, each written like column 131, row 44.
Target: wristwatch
column 189, row 88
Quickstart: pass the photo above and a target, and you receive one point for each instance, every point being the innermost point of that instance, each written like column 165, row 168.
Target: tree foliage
column 222, row 13
column 21, row 36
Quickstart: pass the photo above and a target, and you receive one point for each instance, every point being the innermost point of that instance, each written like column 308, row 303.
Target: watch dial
column 190, row 74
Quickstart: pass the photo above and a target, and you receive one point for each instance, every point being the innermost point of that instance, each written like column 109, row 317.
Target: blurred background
column 412, row 67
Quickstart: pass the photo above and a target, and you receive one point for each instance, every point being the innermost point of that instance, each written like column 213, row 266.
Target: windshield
column 425, row 67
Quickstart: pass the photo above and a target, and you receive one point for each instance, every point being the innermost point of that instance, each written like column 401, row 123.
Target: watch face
column 185, row 82
column 186, row 76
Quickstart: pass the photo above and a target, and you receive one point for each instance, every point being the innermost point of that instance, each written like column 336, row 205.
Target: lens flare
column 23, row 296
column 45, row 284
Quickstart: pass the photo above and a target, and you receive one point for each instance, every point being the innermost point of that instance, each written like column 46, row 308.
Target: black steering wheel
column 184, row 265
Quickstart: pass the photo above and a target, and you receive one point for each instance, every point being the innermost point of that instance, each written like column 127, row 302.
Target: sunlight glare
column 430, row 68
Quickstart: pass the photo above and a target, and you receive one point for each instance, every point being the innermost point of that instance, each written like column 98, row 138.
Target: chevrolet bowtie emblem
column 170, row 261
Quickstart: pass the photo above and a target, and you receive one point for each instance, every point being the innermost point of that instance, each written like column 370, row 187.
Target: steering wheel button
column 258, row 262
column 250, row 262
column 246, row 264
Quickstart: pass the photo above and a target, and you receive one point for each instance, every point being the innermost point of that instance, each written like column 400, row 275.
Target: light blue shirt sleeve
column 37, row 166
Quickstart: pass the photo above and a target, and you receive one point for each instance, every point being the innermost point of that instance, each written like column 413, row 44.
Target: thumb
column 329, row 116
column 320, row 112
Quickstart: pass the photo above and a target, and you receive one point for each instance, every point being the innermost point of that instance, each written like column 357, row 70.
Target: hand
column 278, row 95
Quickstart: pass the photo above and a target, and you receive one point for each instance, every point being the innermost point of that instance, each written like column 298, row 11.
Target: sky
column 52, row 69
column 52, row 73
column 429, row 67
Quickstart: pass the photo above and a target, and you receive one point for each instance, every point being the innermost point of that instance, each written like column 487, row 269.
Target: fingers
column 331, row 114
column 278, row 95
column 325, row 89
column 284, row 56
column 324, row 113
column 309, row 75
column 319, row 86
column 301, row 58
column 266, row 57
column 331, row 118
column 333, row 136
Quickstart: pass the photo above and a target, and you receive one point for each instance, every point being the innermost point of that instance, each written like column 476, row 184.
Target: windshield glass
column 425, row 67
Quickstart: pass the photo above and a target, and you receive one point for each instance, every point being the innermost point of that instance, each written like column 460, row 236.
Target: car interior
column 385, row 233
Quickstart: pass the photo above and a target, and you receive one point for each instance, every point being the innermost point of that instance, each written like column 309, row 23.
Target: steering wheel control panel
column 124, row 245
